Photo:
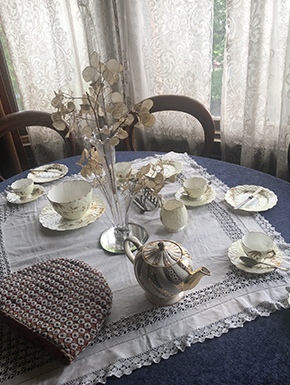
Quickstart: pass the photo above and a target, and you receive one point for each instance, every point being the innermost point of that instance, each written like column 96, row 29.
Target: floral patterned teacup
column 258, row 246
column 122, row 170
column 71, row 199
column 195, row 187
column 22, row 187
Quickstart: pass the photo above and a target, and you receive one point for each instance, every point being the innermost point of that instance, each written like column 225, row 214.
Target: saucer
column 236, row 250
column 36, row 193
column 206, row 198
column 48, row 173
column 171, row 167
column 50, row 219
column 263, row 201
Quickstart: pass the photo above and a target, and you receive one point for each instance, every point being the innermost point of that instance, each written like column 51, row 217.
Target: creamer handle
column 136, row 242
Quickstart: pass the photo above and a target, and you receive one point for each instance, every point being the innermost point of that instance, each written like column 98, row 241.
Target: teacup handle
column 272, row 252
column 8, row 188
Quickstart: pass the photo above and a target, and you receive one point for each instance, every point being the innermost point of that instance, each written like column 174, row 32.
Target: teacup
column 195, row 187
column 122, row 169
column 173, row 215
column 22, row 187
column 71, row 199
column 258, row 245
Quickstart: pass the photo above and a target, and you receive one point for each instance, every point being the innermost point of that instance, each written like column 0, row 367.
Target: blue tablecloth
column 257, row 353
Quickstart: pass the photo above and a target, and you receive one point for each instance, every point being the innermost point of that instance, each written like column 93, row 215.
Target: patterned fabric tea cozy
column 59, row 305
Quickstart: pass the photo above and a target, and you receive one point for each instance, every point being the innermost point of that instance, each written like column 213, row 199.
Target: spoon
column 251, row 262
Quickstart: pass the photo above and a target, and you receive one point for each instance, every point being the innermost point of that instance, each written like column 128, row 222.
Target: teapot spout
column 194, row 277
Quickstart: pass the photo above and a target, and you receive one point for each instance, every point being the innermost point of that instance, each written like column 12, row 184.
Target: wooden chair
column 182, row 104
column 18, row 120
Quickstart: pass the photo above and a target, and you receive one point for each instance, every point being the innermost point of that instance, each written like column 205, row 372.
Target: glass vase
column 112, row 239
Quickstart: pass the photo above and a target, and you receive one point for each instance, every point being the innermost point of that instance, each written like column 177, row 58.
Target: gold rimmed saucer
column 50, row 219
column 264, row 200
column 37, row 192
column 48, row 173
column 206, row 198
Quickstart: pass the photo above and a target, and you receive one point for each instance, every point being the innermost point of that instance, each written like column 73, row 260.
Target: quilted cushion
column 59, row 304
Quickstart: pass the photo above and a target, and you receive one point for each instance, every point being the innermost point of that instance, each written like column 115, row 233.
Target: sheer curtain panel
column 165, row 47
column 47, row 45
column 255, row 117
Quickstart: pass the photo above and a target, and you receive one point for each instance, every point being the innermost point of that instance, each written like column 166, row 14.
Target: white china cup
column 71, row 199
column 195, row 187
column 258, row 245
column 173, row 215
column 22, row 187
column 122, row 169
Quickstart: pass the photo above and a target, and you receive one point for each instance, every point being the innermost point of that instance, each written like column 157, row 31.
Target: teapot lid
column 162, row 253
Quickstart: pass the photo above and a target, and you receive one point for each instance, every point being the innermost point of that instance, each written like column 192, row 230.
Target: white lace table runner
column 137, row 333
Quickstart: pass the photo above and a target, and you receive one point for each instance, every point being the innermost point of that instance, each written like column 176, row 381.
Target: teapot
column 164, row 269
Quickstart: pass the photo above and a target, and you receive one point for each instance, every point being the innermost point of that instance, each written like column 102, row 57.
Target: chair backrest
column 182, row 104
column 18, row 120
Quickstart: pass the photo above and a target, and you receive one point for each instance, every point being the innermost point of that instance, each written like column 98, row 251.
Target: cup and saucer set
column 256, row 253
column 71, row 206
column 23, row 191
column 195, row 192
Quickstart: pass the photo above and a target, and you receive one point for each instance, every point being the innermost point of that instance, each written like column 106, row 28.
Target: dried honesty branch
column 136, row 181
column 91, row 164
column 104, row 113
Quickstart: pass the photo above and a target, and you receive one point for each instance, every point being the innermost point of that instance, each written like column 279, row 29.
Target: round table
column 257, row 353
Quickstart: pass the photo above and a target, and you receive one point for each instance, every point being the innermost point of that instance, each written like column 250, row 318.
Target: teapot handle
column 128, row 251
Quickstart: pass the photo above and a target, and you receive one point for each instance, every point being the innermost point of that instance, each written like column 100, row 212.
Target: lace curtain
column 165, row 47
column 255, row 116
column 48, row 49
